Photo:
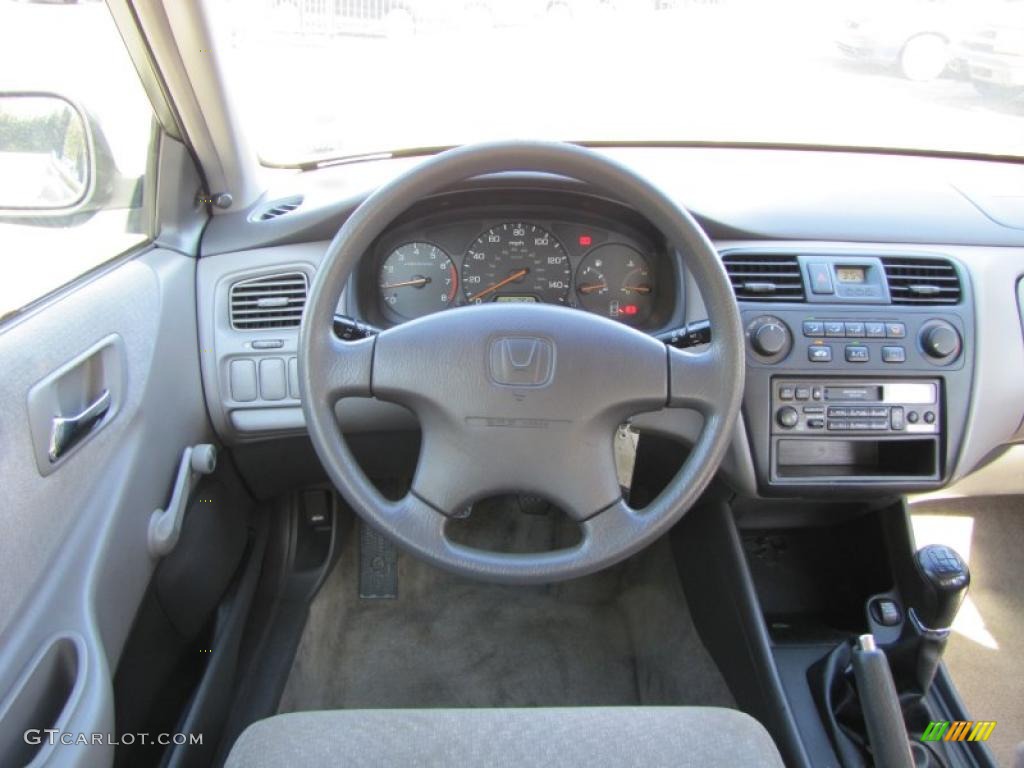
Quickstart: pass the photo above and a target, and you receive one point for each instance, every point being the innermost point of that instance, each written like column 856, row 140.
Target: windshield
column 338, row 78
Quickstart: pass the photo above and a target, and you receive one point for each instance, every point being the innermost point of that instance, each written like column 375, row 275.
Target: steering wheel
column 516, row 397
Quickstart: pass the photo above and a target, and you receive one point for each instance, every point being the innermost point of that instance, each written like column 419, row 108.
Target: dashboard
column 603, row 262
column 879, row 297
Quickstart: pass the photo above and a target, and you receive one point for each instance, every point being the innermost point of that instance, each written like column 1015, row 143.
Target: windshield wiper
column 394, row 154
column 365, row 157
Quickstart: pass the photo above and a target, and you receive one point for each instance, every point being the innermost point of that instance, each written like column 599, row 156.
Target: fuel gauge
column 614, row 280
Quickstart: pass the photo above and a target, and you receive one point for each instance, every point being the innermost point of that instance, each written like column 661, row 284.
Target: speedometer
column 516, row 262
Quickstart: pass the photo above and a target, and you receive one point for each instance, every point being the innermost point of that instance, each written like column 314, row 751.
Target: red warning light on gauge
column 586, row 240
column 628, row 309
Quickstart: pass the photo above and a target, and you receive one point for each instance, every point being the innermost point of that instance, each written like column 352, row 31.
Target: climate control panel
column 853, row 343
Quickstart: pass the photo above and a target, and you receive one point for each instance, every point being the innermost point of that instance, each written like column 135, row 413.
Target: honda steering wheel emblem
column 522, row 361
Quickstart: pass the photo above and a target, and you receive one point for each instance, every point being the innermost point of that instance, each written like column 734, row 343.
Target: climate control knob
column 769, row 337
column 940, row 340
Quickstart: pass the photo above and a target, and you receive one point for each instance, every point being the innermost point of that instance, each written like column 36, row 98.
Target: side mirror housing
column 54, row 160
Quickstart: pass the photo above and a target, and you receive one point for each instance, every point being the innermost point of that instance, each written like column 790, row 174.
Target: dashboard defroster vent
column 765, row 276
column 916, row 280
column 274, row 301
column 279, row 208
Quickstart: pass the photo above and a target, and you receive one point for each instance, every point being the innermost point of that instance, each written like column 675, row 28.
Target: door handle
column 68, row 430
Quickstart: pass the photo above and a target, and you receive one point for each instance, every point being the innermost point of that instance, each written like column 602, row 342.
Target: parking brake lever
column 880, row 705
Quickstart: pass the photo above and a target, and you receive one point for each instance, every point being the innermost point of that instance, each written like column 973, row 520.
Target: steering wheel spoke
column 346, row 370
column 695, row 379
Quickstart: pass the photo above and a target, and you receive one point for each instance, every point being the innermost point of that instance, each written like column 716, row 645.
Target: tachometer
column 516, row 262
column 615, row 280
column 417, row 279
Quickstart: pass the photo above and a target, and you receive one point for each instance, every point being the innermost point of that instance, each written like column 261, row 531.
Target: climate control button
column 819, row 354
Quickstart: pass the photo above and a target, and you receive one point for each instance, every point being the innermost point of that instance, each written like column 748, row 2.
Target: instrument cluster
column 436, row 265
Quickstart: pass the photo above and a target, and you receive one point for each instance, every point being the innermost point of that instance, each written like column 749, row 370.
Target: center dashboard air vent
column 917, row 280
column 273, row 301
column 765, row 276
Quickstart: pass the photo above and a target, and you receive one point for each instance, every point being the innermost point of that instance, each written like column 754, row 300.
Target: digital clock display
column 850, row 274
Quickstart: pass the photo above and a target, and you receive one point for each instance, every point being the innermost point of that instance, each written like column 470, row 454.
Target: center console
column 858, row 368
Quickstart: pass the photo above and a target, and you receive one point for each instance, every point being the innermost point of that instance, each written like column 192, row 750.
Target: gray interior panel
column 75, row 540
column 226, row 352
column 995, row 419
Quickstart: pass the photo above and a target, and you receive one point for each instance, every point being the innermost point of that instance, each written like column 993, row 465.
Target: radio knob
column 940, row 340
column 769, row 336
column 787, row 416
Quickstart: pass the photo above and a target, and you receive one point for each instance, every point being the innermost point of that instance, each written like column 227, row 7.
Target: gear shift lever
column 934, row 599
column 942, row 586
column 871, row 719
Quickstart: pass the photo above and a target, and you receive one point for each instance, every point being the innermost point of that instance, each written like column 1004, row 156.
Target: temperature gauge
column 615, row 280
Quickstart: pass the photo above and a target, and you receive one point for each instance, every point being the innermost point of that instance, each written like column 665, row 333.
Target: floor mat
column 620, row 637
column 986, row 649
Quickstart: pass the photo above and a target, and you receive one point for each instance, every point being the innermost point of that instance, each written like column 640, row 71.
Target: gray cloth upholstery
column 580, row 736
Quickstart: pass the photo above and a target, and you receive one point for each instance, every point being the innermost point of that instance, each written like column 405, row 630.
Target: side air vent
column 279, row 208
column 275, row 301
column 765, row 276
column 914, row 280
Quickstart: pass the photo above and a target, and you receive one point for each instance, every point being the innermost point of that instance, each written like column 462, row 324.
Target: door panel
column 74, row 551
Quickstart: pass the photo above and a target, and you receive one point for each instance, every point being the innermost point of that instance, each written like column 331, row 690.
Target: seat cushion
column 585, row 736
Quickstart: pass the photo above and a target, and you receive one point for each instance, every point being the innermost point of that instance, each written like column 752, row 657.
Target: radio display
column 851, row 274
column 869, row 394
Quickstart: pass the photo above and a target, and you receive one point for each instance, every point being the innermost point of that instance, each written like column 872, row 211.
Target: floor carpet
column 620, row 637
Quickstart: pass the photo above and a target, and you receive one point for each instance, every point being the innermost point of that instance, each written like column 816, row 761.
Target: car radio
column 842, row 407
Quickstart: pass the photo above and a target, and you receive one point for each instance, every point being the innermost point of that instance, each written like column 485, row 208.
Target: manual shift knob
column 945, row 578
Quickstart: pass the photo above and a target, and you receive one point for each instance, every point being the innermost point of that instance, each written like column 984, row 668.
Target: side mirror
column 54, row 161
